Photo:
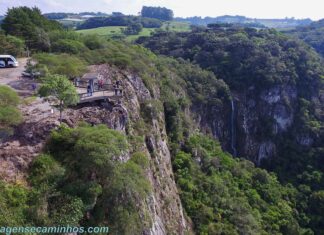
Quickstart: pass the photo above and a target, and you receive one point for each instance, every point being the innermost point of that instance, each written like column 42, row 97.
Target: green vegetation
column 145, row 32
column 116, row 32
column 30, row 25
column 9, row 114
column 13, row 204
column 106, row 32
column 223, row 195
column 71, row 23
column 256, row 61
column 64, row 15
column 84, row 176
column 312, row 34
column 246, row 22
column 62, row 64
column 62, row 89
column 160, row 13
column 133, row 29
column 85, row 163
column 250, row 62
column 11, row 45
column 176, row 26
column 120, row 20
column 80, row 176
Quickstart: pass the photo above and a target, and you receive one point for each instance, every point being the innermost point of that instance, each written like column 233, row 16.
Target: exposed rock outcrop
column 163, row 205
column 262, row 117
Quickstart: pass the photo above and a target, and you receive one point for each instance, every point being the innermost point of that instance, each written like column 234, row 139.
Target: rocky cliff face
column 163, row 206
column 261, row 119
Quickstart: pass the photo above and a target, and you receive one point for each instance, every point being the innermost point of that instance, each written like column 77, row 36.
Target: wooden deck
column 108, row 94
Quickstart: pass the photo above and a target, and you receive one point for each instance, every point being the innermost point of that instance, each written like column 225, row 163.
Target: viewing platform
column 108, row 94
column 91, row 87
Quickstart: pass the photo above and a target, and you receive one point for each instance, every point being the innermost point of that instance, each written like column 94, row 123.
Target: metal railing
column 101, row 94
column 100, row 91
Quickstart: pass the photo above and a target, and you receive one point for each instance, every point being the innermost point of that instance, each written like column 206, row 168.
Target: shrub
column 68, row 46
column 10, row 116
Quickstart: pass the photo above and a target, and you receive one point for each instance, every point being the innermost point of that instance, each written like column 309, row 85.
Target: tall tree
column 30, row 25
column 62, row 89
column 160, row 13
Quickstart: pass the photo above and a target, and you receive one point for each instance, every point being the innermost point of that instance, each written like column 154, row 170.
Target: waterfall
column 233, row 133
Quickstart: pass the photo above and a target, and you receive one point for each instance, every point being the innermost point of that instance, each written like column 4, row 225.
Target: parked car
column 8, row 61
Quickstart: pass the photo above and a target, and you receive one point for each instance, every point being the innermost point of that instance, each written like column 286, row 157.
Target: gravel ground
column 12, row 77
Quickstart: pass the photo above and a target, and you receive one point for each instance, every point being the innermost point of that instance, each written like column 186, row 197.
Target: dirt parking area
column 12, row 77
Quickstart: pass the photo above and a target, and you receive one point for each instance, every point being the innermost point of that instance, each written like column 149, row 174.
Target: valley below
column 213, row 129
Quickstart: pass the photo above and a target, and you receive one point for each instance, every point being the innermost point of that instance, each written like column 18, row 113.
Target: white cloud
column 252, row 8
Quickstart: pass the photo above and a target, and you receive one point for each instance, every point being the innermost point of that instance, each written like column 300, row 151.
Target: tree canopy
column 228, row 196
column 312, row 34
column 120, row 20
column 30, row 25
column 62, row 89
column 85, row 161
column 160, row 13
column 11, row 45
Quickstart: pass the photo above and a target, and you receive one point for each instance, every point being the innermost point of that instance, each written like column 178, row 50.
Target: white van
column 8, row 61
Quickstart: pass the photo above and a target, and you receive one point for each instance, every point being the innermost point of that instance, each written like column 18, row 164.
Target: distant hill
column 95, row 22
column 81, row 15
column 73, row 20
column 270, row 23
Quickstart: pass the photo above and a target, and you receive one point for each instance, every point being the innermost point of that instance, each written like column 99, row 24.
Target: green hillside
column 116, row 31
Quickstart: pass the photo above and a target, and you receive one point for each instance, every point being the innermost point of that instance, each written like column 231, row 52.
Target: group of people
column 90, row 88
column 117, row 87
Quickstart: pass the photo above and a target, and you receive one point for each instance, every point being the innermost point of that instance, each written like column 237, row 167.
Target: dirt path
column 8, row 75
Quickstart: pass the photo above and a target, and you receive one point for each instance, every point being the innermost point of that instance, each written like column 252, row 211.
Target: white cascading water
column 233, row 135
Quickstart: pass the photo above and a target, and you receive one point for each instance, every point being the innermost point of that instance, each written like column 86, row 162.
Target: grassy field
column 176, row 26
column 71, row 23
column 103, row 31
column 115, row 31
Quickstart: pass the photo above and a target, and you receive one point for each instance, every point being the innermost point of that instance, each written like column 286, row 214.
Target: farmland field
column 71, row 22
column 116, row 31
column 176, row 26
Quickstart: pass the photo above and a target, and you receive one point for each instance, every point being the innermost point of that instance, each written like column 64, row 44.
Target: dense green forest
column 160, row 13
column 122, row 20
column 242, row 20
column 63, row 15
column 30, row 25
column 245, row 57
column 77, row 180
column 311, row 34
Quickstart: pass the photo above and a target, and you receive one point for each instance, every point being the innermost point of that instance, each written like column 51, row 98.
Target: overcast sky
column 313, row 9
